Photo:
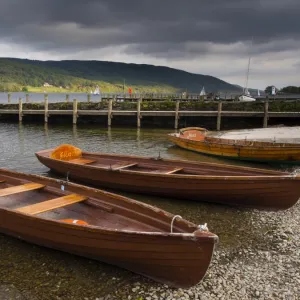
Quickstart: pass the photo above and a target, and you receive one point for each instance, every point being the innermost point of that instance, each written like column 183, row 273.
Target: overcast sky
column 206, row 37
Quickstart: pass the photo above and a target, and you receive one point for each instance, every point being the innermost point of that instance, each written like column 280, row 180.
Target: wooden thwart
column 20, row 189
column 51, row 204
column 123, row 166
column 81, row 161
column 173, row 171
column 166, row 171
column 1, row 180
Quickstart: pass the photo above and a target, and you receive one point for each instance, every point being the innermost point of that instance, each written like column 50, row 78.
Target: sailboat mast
column 248, row 69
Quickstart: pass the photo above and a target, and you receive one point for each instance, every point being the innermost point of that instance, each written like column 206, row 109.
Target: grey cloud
column 211, row 37
column 158, row 28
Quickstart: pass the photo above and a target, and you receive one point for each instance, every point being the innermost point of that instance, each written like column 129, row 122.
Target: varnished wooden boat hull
column 178, row 259
column 238, row 149
column 262, row 189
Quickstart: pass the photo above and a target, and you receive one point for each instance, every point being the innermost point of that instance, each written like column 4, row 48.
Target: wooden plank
column 81, row 161
column 51, row 204
column 99, row 204
column 20, row 188
column 123, row 166
column 173, row 171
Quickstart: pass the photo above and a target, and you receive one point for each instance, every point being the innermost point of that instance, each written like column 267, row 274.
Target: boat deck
column 277, row 134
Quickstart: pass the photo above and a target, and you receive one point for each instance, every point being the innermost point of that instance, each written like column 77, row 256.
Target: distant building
column 46, row 84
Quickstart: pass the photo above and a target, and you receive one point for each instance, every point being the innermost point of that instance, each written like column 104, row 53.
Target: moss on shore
column 277, row 106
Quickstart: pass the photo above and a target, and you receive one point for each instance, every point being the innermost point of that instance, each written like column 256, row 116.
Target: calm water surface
column 19, row 142
column 52, row 97
column 54, row 275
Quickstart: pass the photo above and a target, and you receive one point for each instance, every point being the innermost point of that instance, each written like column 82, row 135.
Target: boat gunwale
column 98, row 229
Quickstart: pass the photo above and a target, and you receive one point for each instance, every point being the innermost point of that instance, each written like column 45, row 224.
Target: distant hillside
column 84, row 75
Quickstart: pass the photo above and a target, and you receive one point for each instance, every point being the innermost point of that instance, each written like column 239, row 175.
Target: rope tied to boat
column 173, row 219
column 64, row 183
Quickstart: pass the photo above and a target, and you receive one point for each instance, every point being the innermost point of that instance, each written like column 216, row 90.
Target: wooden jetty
column 264, row 114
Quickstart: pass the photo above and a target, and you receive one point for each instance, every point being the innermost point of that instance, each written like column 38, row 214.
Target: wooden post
column 27, row 98
column 88, row 98
column 139, row 112
column 219, row 116
column 20, row 110
column 67, row 97
column 46, row 108
column 177, row 114
column 75, row 111
column 109, row 116
column 9, row 97
column 266, row 111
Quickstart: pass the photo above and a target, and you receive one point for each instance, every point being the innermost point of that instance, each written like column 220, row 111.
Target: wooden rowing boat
column 203, row 141
column 235, row 185
column 104, row 226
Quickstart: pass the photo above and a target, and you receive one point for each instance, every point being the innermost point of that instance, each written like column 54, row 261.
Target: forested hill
column 82, row 75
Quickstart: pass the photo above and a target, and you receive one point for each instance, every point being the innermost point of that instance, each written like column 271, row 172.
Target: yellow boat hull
column 197, row 139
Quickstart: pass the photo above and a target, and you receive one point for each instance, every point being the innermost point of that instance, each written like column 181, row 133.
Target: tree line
column 286, row 90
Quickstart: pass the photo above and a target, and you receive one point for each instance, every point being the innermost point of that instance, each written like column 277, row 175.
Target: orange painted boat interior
column 100, row 209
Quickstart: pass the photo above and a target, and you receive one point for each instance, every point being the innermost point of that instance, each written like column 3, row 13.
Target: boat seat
column 20, row 189
column 81, row 161
column 51, row 204
column 168, row 171
column 120, row 166
column 173, row 171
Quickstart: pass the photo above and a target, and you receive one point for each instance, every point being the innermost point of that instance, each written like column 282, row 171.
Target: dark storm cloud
column 166, row 28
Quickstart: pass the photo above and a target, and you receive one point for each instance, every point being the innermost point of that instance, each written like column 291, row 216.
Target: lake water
column 52, row 97
column 60, row 97
column 41, row 273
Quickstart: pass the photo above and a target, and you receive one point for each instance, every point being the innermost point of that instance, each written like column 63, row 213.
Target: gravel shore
column 264, row 265
column 268, row 268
